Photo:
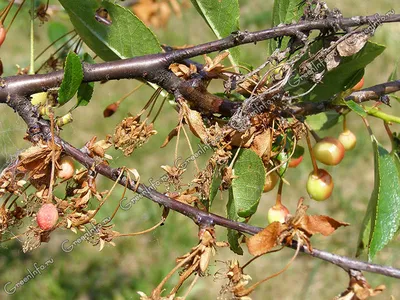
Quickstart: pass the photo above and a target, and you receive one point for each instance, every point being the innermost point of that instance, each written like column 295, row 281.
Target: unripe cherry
column 270, row 181
column 277, row 213
column 348, row 139
column 3, row 34
column 67, row 168
column 320, row 186
column 47, row 216
column 329, row 151
column 294, row 162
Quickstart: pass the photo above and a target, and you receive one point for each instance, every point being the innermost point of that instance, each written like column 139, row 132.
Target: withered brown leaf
column 320, row 224
column 265, row 240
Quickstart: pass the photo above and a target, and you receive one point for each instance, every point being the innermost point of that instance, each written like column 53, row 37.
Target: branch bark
column 154, row 68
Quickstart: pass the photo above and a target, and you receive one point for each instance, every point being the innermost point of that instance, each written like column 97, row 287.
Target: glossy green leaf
column 382, row 219
column 284, row 12
column 356, row 108
column 73, row 75
column 248, row 184
column 324, row 121
column 222, row 16
column 125, row 37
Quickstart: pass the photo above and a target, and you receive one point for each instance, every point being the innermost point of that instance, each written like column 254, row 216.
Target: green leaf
column 245, row 192
column 126, row 37
column 85, row 90
column 248, row 184
column 324, row 121
column 222, row 16
column 382, row 219
column 284, row 12
column 233, row 235
column 343, row 77
column 73, row 75
column 356, row 108
column 215, row 184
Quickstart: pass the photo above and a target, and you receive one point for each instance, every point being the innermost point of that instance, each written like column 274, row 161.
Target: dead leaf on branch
column 353, row 44
column 265, row 240
column 359, row 288
column 301, row 225
column 35, row 160
column 131, row 133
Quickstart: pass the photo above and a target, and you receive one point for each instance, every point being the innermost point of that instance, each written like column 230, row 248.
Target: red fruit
column 67, row 168
column 320, row 186
column 277, row 213
column 270, row 181
column 348, row 139
column 47, row 216
column 3, row 34
column 359, row 85
column 329, row 151
column 294, row 162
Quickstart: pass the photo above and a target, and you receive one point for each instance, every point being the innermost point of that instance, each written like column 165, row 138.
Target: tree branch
column 153, row 68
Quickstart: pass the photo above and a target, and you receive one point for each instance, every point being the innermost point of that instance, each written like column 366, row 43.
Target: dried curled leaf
column 320, row 224
column 359, row 288
column 300, row 225
column 265, row 240
column 131, row 134
column 36, row 160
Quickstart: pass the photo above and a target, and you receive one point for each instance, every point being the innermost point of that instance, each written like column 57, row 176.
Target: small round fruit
column 47, row 216
column 270, row 181
column 320, row 186
column 359, row 85
column 3, row 34
column 67, row 168
column 329, row 151
column 294, row 162
column 348, row 139
column 277, row 213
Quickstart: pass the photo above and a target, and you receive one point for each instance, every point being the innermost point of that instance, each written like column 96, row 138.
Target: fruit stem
column 344, row 123
column 314, row 134
column 5, row 12
column 314, row 162
column 279, row 194
column 15, row 15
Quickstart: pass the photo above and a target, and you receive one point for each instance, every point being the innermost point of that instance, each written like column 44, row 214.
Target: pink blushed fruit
column 320, row 186
column 67, row 168
column 329, row 151
column 277, row 213
column 47, row 216
column 348, row 140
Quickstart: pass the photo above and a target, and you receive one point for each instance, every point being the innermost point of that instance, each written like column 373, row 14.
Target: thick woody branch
column 148, row 67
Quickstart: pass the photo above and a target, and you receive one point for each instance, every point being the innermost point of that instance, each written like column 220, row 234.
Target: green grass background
column 140, row 263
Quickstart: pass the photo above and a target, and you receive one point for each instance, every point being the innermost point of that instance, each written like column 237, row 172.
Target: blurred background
column 140, row 263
